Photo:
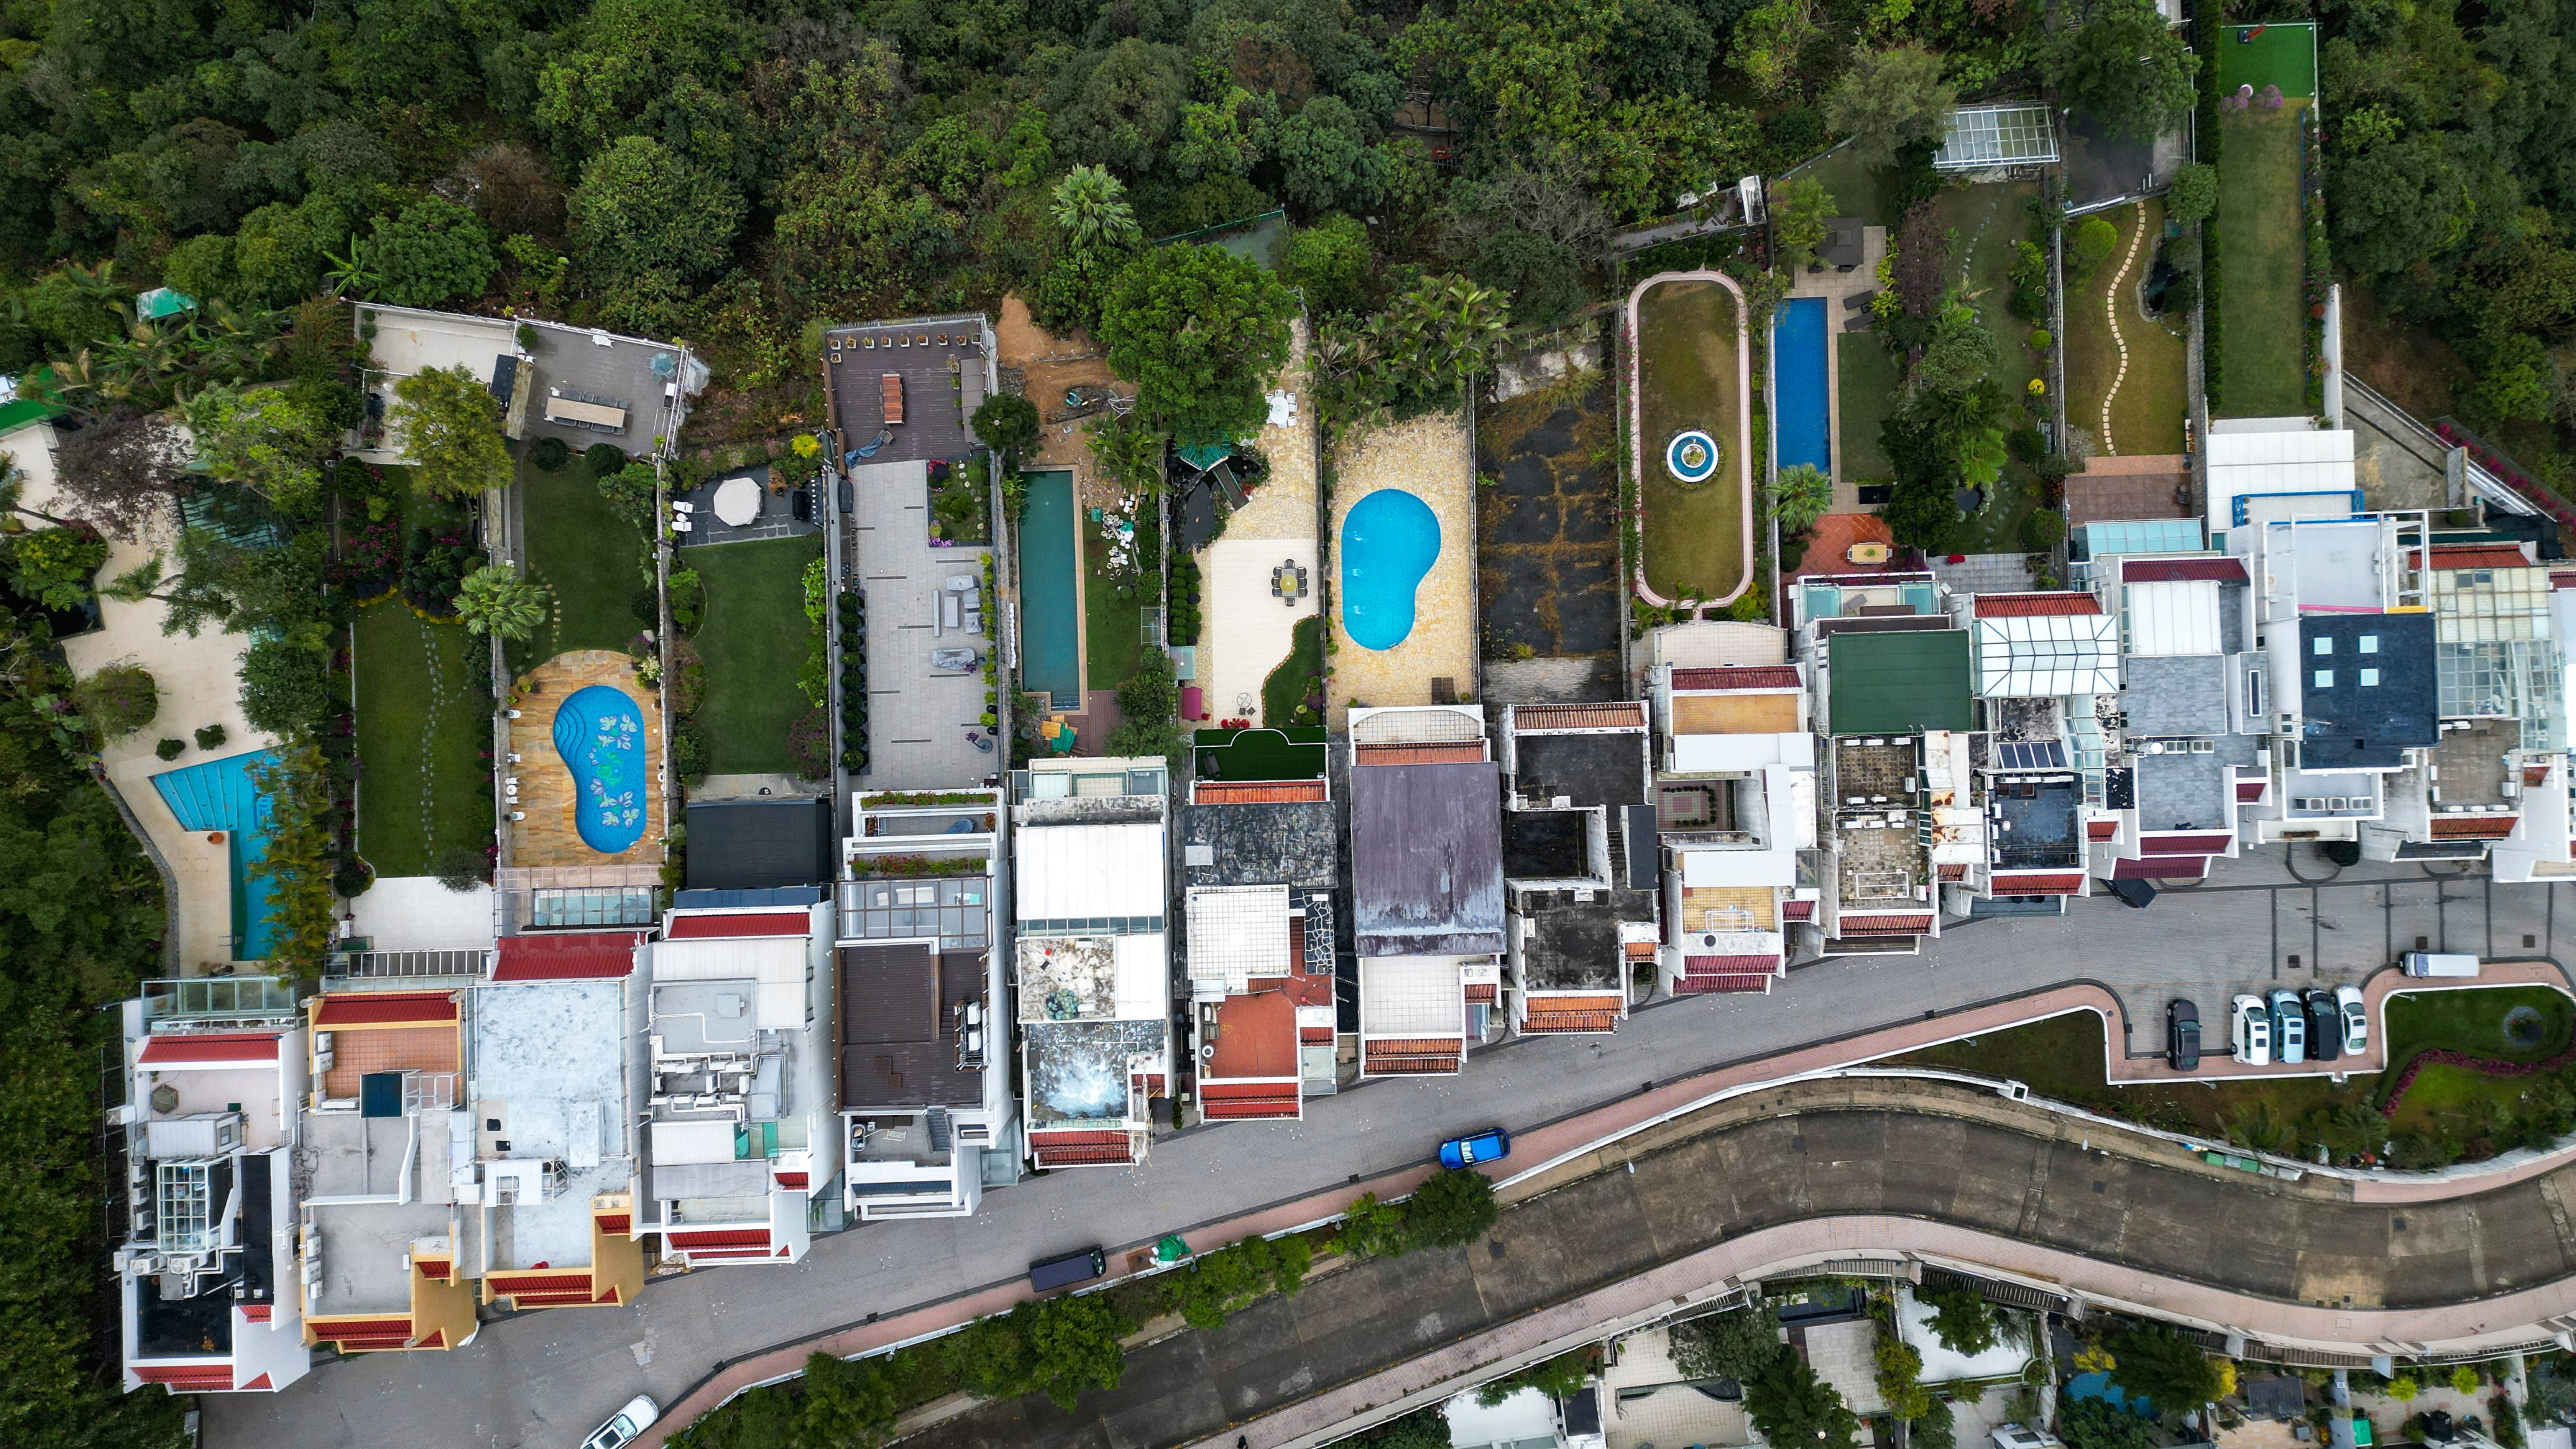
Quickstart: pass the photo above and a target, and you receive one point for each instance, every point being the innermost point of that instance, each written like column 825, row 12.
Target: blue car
column 1492, row 1145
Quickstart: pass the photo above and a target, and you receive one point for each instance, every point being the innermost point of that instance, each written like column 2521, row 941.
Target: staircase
column 939, row 1129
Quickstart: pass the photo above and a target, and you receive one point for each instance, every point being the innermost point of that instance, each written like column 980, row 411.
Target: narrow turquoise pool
column 600, row 735
column 221, row 795
column 1050, row 612
column 1390, row 539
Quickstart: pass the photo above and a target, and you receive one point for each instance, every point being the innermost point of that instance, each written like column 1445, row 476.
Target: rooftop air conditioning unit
column 2204, row 747
column 1708, row 940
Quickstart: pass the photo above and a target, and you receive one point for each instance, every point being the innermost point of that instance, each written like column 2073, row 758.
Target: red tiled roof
column 2170, row 867
column 766, row 923
column 1885, row 925
column 255, row 1312
column 1421, row 754
column 1799, row 911
column 719, row 1238
column 259, row 1383
column 1074, row 1137
column 579, row 1296
column 2562, row 581
column 437, row 1339
column 1250, row 1107
column 386, row 1008
column 1256, row 792
column 231, row 1046
column 1725, row 965
column 187, row 1378
column 2249, row 790
column 1482, row 991
column 1416, row 1046
column 1378, row 1066
column 2101, row 829
column 1210, row 1090
column 614, row 1222
column 581, row 956
column 1590, row 1002
column 365, row 1328
column 1950, row 872
column 1640, row 950
column 2032, row 606
column 2479, row 556
column 2473, row 827
column 1084, row 1156
column 2168, row 570
column 1570, row 1021
column 2204, row 843
column 516, row 1285
column 2535, row 774
column 1703, row 985
column 1621, row 714
column 433, row 1268
column 794, row 1181
column 2040, row 884
column 1739, row 676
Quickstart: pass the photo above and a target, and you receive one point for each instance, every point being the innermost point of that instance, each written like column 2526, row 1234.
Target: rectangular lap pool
column 221, row 795
column 1050, row 610
column 1803, row 403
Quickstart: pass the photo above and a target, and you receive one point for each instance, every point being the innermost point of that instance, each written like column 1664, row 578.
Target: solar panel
column 2031, row 755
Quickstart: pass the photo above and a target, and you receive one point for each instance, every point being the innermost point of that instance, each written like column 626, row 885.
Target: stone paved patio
column 1430, row 458
column 547, row 797
column 1244, row 630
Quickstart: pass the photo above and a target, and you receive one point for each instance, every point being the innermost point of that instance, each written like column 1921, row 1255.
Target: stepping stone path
column 2111, row 313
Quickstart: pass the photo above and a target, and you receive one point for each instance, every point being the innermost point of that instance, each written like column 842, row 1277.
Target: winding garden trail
column 2111, row 314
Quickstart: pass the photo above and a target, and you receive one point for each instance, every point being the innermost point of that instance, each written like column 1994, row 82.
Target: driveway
column 544, row 1378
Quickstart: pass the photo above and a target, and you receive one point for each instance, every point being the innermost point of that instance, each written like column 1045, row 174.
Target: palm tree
column 2255, row 1128
column 1800, row 494
column 495, row 600
column 1091, row 207
column 355, row 272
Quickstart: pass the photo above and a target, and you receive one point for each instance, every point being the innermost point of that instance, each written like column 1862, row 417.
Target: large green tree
column 1789, row 1404
column 1734, row 1345
column 2123, row 66
column 435, row 251
column 2165, row 1368
column 1200, row 332
column 449, row 426
column 270, row 440
column 1891, row 99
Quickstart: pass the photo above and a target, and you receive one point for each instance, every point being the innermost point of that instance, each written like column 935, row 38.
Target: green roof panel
column 1898, row 682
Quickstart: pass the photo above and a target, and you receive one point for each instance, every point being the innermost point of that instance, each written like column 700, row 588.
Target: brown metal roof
column 898, row 1038
column 1621, row 714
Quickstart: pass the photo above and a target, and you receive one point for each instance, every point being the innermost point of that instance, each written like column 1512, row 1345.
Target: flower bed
column 2484, row 1066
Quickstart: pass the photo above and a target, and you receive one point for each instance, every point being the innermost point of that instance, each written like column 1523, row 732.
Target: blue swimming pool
column 2099, row 1386
column 221, row 795
column 1802, row 400
column 600, row 734
column 1389, row 541
column 1050, row 611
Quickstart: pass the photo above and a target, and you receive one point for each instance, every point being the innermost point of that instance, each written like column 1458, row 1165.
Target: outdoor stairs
column 939, row 1129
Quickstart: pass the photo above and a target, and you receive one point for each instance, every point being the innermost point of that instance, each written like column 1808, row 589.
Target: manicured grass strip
column 1110, row 622
column 2258, row 214
column 1857, row 188
column 2147, row 412
column 1287, row 686
column 1869, row 396
column 1296, row 753
column 1687, row 377
column 426, row 789
column 753, row 641
column 2283, row 55
column 2473, row 1022
column 591, row 560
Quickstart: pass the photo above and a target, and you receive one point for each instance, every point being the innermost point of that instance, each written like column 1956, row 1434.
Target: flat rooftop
column 2366, row 689
column 1878, row 864
column 1255, row 1036
column 1412, row 996
column 900, row 1023
column 2469, row 763
column 941, row 361
column 1545, row 844
column 550, row 1063
column 1427, row 868
column 2176, row 695
column 1575, row 945
column 1865, row 772
column 1897, row 682
column 1291, row 843
column 1093, row 978
column 1602, row 769
column 2037, row 822
column 362, row 1253
column 1078, row 1070
column 919, row 714
column 958, row 909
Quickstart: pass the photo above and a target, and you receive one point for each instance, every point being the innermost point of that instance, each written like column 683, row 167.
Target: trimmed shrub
column 604, row 460
column 170, row 749
column 549, row 454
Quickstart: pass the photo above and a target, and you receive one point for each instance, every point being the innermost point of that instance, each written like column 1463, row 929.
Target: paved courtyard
column 1429, row 458
column 919, row 714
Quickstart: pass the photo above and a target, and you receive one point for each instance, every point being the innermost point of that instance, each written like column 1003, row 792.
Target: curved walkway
column 1794, row 1176
column 2111, row 314
column 1743, row 425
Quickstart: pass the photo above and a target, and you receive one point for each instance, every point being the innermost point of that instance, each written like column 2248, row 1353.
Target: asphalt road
column 545, row 1378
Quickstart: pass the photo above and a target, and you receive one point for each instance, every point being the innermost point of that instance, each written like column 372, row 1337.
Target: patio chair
column 684, row 507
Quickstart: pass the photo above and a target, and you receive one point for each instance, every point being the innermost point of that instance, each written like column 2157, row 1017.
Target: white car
column 2249, row 1030
column 624, row 1425
column 2356, row 1020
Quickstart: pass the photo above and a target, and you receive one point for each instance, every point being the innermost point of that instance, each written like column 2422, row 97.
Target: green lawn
column 423, row 725
column 590, row 559
column 2262, row 255
column 753, row 641
column 1110, row 624
column 1868, row 378
column 1688, row 376
column 2473, row 1022
column 1294, row 753
column 1857, row 189
column 1984, row 223
column 2283, row 55
column 2146, row 414
column 1286, row 688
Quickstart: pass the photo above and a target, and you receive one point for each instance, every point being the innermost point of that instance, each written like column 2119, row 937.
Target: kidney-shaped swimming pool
column 1390, row 539
column 600, row 735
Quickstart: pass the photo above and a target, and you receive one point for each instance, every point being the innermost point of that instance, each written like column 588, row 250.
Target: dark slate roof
column 2347, row 723
column 1427, row 858
column 898, row 1039
column 1268, row 844
column 1644, row 853
column 1602, row 769
column 2176, row 694
column 1544, row 844
column 1575, row 943
column 2276, row 1398
column 754, row 844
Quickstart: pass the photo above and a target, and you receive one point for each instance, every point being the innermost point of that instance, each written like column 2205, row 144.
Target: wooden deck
column 548, row 836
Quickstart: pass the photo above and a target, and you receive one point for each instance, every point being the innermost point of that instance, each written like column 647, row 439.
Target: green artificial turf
column 423, row 725
column 1294, row 753
column 1111, row 625
column 753, row 642
column 2263, row 256
column 2283, row 55
column 589, row 558
column 1869, row 380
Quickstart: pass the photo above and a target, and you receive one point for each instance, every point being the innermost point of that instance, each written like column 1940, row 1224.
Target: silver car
column 2356, row 1019
column 2290, row 1027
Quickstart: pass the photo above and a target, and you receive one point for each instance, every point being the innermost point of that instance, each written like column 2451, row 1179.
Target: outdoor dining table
column 737, row 501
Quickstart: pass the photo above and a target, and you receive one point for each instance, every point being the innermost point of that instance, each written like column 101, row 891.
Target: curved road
column 1821, row 1167
column 543, row 1379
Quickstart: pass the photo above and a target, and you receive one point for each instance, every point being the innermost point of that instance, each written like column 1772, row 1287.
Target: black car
column 2325, row 1026
column 2132, row 893
column 2182, row 1035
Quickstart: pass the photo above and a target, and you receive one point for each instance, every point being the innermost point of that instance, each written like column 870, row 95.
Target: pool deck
column 549, row 837
column 200, row 681
column 1432, row 458
column 1244, row 630
column 1743, row 444
column 1834, row 286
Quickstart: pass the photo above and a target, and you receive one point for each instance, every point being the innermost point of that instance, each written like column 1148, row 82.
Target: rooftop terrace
column 901, row 1011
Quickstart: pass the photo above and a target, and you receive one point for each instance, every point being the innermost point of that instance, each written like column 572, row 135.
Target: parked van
column 1048, row 1274
column 2438, row 963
